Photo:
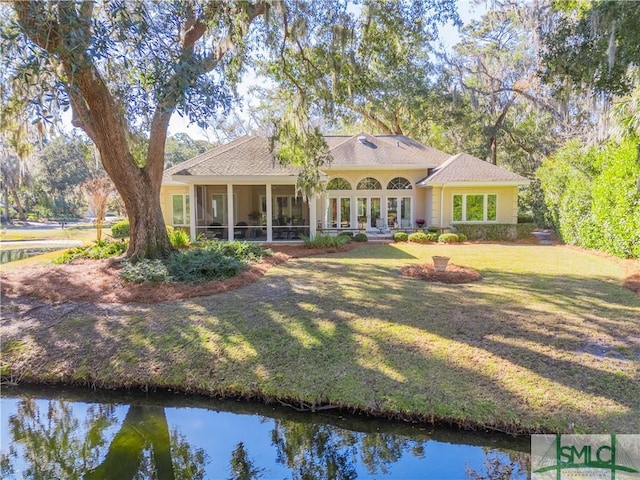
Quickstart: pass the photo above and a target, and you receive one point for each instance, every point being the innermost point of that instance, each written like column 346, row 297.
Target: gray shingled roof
column 246, row 155
column 383, row 150
column 249, row 155
column 466, row 168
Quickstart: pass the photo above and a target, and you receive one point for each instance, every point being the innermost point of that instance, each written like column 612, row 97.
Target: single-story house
column 375, row 183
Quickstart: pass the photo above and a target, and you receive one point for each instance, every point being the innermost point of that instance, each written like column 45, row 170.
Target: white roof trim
column 366, row 168
column 474, row 183
column 236, row 179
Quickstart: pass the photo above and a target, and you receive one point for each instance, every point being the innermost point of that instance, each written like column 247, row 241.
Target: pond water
column 7, row 256
column 78, row 434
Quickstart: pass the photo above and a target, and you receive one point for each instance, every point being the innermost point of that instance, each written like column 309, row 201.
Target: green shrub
column 418, row 237
column 400, row 237
column 462, row 237
column 145, row 271
column 209, row 261
column 495, row 231
column 121, row 229
column 242, row 251
column 97, row 251
column 448, row 238
column 324, row 241
column 593, row 197
column 42, row 211
column 179, row 238
column 348, row 235
column 361, row 237
column 201, row 265
column 432, row 236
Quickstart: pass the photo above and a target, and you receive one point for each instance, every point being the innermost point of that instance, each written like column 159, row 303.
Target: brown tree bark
column 493, row 139
column 16, row 198
column 5, row 199
column 97, row 112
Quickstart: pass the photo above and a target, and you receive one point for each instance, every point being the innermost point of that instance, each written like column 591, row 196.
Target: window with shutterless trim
column 476, row 207
column 180, row 210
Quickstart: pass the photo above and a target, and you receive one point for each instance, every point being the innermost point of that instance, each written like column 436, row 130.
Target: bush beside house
column 496, row 231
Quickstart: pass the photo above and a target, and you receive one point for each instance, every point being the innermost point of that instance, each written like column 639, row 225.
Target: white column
column 192, row 212
column 232, row 221
column 412, row 210
column 269, row 213
column 325, row 208
column 441, row 220
column 313, row 200
column 384, row 211
column 354, row 211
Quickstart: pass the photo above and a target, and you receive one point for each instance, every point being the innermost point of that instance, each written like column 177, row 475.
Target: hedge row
column 496, row 231
column 493, row 232
column 421, row 237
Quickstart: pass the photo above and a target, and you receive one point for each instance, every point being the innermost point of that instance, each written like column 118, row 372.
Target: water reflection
column 154, row 438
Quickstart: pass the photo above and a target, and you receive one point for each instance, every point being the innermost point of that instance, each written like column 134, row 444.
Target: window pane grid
column 338, row 184
column 369, row 183
column 399, row 183
column 475, row 208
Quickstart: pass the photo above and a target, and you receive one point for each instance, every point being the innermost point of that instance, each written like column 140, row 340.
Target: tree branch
column 376, row 121
column 226, row 44
column 194, row 29
column 46, row 34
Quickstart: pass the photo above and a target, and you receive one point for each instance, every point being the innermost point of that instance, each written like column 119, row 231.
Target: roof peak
column 464, row 167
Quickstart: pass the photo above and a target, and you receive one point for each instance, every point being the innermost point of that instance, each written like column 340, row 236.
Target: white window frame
column 400, row 199
column 186, row 213
column 485, row 205
column 339, row 220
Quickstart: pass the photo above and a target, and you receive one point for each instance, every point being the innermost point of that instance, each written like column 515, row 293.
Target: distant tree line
column 55, row 179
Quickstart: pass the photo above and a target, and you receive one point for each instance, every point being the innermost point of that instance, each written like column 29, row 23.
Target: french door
column 369, row 210
column 399, row 212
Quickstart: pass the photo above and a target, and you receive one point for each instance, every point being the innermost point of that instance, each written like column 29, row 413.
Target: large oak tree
column 125, row 66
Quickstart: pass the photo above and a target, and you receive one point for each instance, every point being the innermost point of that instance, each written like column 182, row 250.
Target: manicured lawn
column 84, row 232
column 549, row 340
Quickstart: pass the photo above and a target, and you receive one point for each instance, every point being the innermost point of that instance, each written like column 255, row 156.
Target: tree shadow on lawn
column 377, row 252
column 583, row 310
column 329, row 320
column 506, row 352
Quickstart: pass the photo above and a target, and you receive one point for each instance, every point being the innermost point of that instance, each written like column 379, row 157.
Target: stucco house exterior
column 375, row 183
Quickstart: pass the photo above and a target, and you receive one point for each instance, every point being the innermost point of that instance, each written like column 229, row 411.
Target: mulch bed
column 98, row 281
column 453, row 274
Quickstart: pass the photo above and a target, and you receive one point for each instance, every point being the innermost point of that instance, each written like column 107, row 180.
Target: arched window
column 399, row 183
column 369, row 183
column 338, row 184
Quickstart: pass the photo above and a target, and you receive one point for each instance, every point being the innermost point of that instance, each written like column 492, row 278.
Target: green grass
column 83, row 233
column 548, row 341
